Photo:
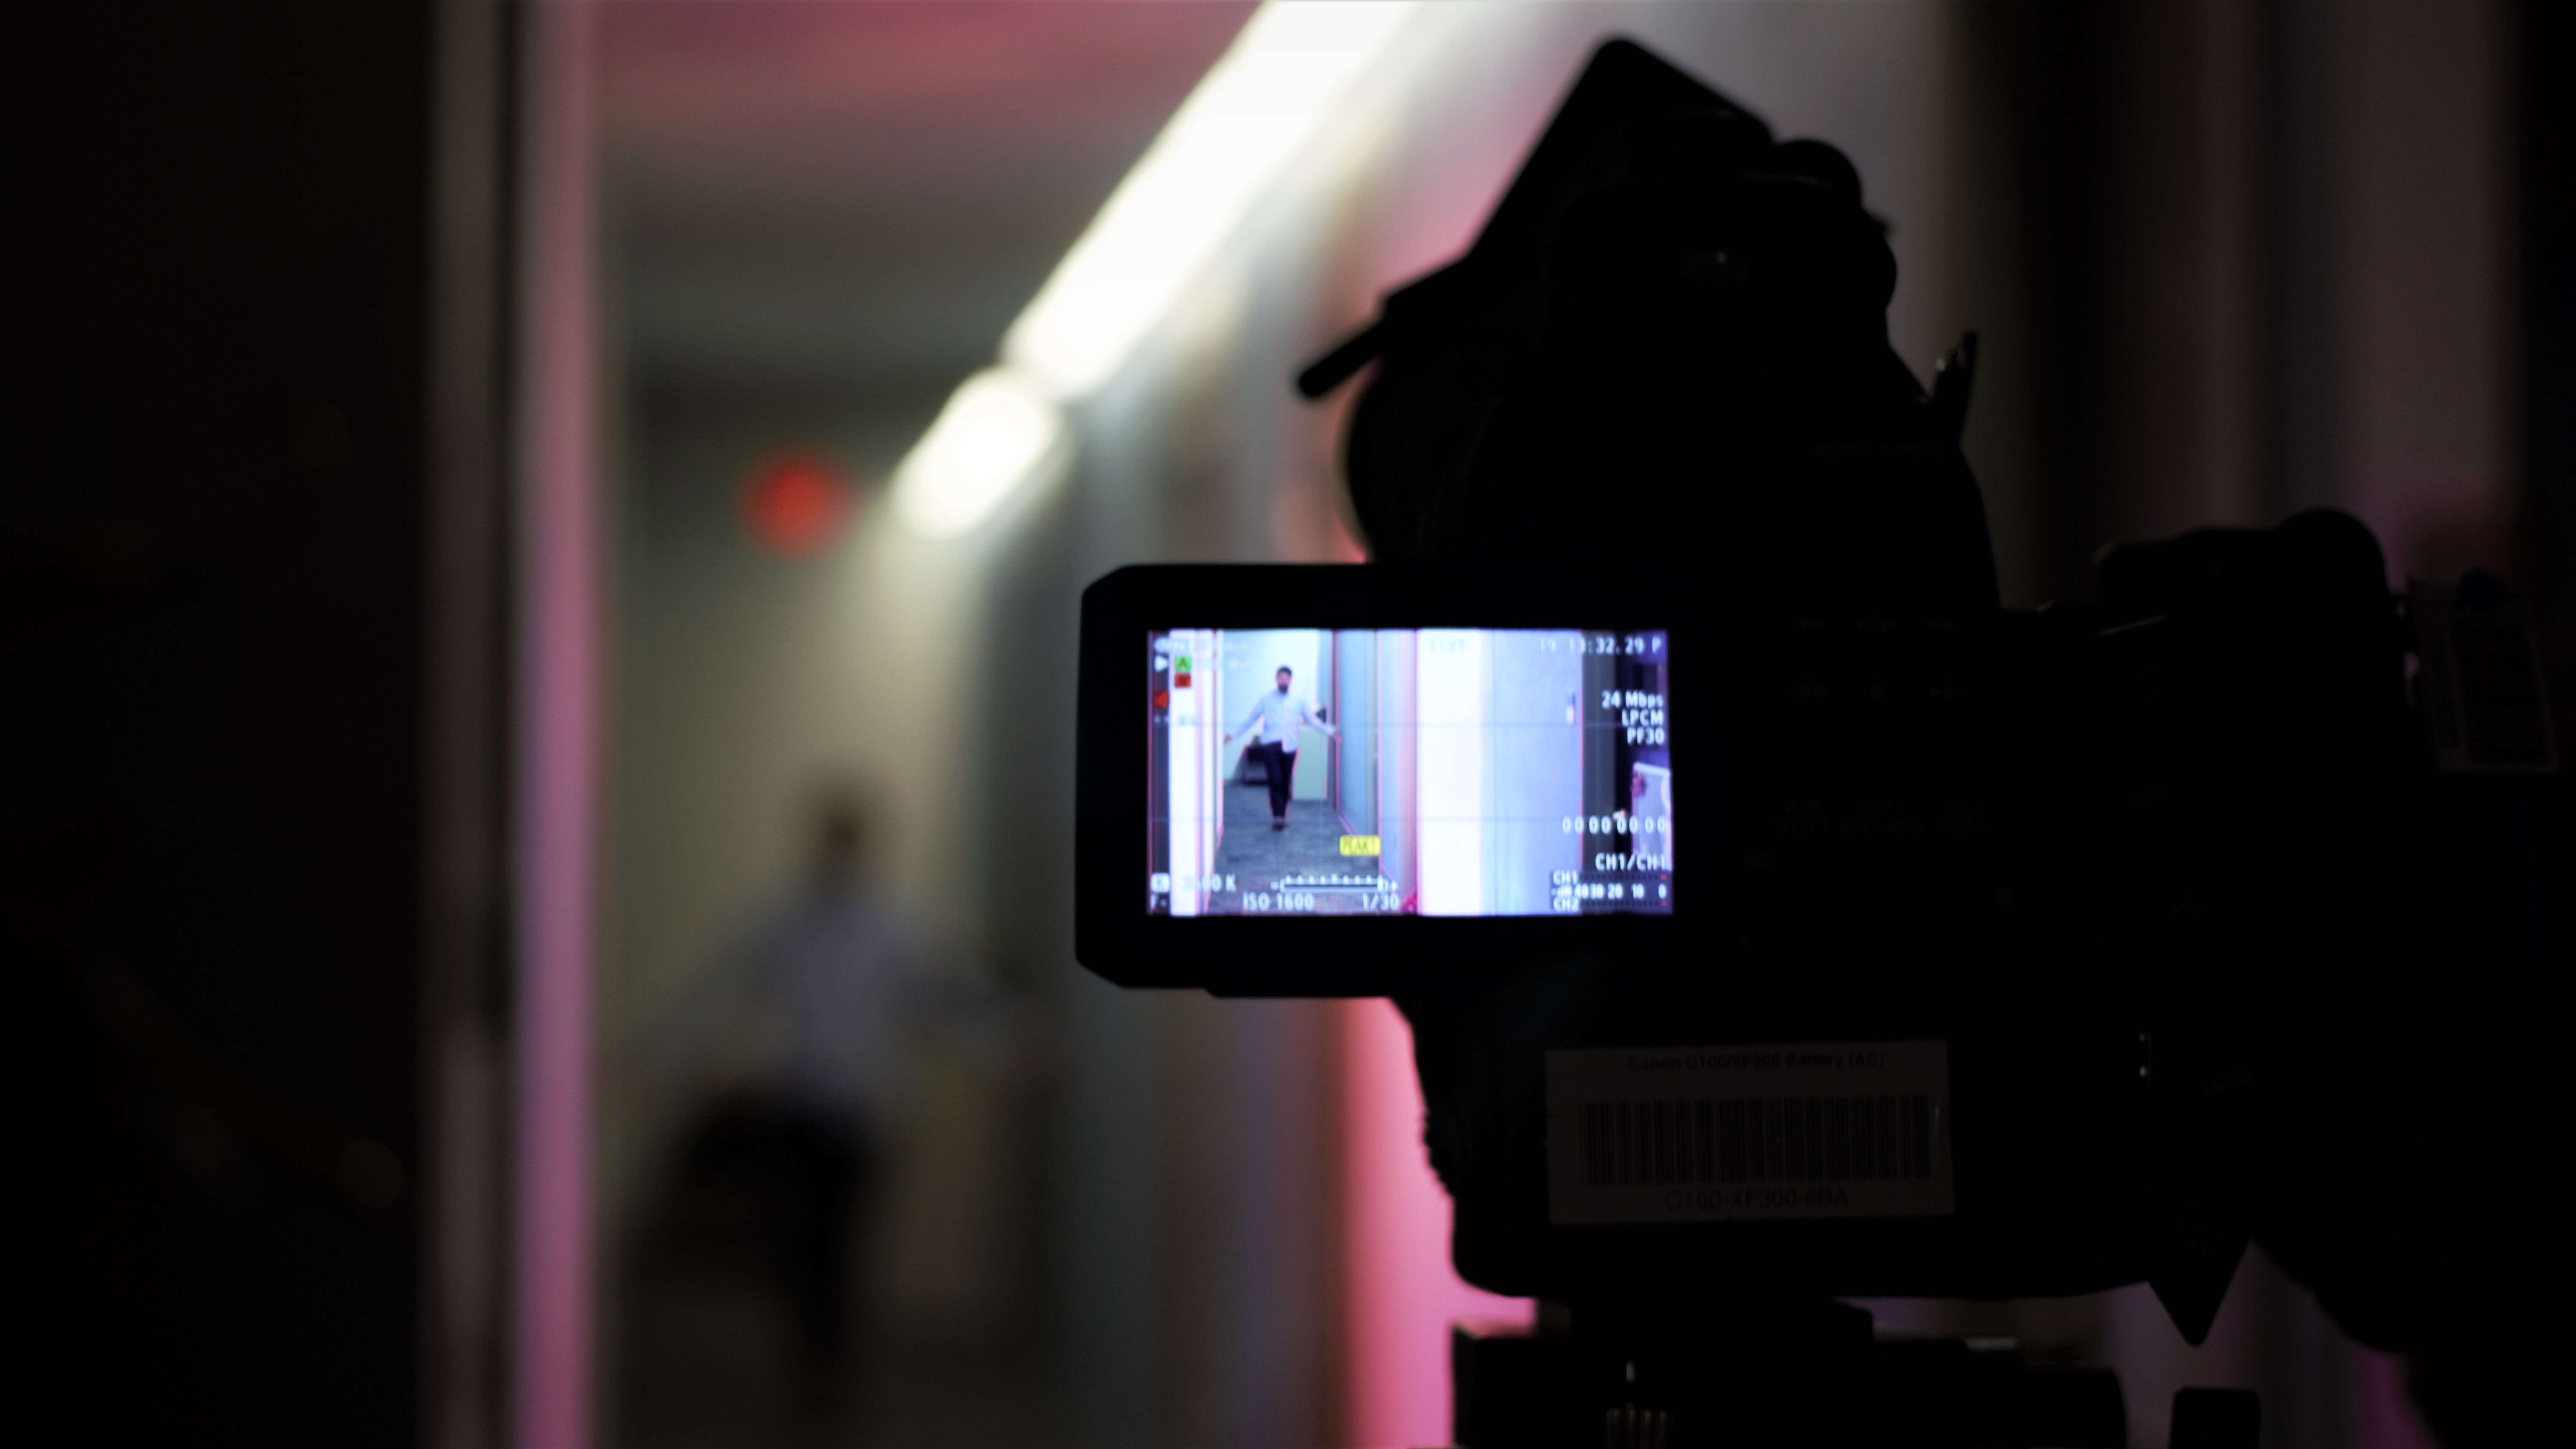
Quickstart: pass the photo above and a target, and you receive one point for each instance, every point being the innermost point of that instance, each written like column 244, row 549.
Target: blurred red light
column 797, row 504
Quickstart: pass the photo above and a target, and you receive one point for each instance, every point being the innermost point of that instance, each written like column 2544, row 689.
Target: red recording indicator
column 1162, row 699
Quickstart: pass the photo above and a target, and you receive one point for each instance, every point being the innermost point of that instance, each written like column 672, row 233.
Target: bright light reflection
column 999, row 431
column 1230, row 142
column 1261, row 106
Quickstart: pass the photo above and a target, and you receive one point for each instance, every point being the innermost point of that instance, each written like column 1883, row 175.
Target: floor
column 1258, row 857
column 705, row 1359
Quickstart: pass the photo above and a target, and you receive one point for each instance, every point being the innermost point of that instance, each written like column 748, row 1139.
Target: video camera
column 1994, row 953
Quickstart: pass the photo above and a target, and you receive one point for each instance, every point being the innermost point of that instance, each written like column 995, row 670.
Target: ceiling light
column 1255, row 111
column 999, row 431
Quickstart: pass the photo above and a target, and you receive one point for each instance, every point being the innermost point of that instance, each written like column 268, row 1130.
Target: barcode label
column 1858, row 1129
column 1756, row 1139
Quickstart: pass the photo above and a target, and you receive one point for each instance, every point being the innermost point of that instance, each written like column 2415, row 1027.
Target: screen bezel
column 1317, row 955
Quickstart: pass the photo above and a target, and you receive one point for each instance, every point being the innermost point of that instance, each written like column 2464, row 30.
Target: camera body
column 2068, row 853
column 2056, row 860
column 2013, row 952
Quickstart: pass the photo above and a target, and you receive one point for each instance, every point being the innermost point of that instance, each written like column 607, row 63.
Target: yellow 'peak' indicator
column 1359, row 845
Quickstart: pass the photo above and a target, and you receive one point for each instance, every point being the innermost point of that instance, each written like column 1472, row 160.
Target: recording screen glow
column 1435, row 772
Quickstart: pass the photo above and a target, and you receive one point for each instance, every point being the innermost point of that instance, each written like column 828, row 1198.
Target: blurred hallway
column 463, row 532
column 817, row 218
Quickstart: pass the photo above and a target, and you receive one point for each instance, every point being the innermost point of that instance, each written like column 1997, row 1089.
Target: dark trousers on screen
column 1281, row 762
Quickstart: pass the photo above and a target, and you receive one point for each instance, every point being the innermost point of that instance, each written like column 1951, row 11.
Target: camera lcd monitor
column 1421, row 772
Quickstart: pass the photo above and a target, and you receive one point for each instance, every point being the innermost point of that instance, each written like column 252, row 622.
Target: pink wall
column 557, row 727
column 1401, row 1292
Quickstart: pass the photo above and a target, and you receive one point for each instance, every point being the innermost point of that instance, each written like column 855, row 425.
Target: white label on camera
column 1694, row 1134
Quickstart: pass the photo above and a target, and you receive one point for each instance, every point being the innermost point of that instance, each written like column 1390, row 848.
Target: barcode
column 1756, row 1139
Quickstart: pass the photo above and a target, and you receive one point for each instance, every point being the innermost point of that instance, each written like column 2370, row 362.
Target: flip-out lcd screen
column 1434, row 772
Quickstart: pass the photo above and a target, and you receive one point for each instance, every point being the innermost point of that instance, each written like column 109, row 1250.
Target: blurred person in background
column 797, row 1053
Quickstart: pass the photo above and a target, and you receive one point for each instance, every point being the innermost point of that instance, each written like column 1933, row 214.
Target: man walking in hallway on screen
column 1279, row 716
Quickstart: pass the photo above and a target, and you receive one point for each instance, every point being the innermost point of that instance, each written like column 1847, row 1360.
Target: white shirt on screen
column 1280, row 715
